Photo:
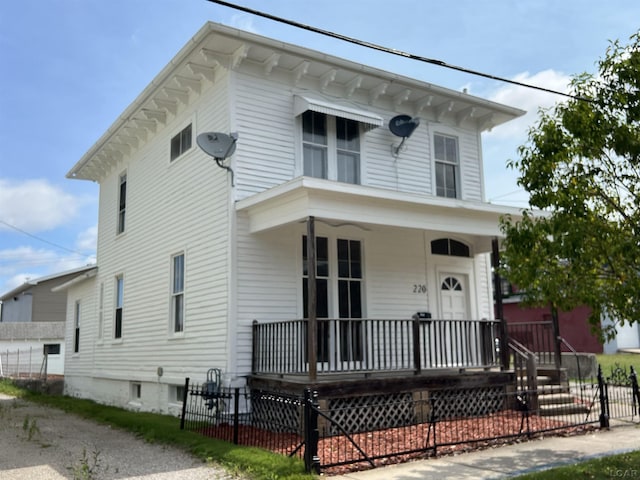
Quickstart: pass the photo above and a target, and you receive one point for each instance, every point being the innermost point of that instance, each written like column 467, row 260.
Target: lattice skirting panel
column 371, row 412
column 276, row 412
column 467, row 402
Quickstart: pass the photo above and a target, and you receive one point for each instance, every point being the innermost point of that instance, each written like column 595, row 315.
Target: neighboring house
column 574, row 326
column 203, row 267
column 33, row 315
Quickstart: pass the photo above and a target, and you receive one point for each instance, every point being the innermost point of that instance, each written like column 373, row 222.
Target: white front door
column 452, row 342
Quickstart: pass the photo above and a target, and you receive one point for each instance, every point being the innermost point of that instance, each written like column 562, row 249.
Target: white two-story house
column 205, row 263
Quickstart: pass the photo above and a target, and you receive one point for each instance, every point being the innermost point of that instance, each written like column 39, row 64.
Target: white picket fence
column 26, row 363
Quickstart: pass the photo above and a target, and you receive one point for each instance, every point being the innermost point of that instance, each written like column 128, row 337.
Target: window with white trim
column 181, row 142
column 117, row 331
column 447, row 165
column 177, row 292
column 331, row 147
column 76, row 329
column 122, row 202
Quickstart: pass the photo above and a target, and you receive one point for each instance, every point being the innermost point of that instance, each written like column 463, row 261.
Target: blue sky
column 70, row 67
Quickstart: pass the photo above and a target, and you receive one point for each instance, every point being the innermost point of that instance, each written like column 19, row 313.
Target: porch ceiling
column 295, row 201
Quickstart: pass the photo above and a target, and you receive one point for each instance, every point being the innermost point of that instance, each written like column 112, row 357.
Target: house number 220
column 419, row 288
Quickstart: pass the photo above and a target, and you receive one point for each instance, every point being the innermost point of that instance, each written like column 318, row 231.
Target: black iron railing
column 362, row 431
column 371, row 345
column 537, row 337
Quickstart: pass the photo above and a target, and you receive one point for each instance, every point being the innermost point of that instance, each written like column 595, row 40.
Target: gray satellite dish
column 220, row 146
column 402, row 126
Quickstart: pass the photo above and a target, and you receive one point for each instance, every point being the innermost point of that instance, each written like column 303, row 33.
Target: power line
column 13, row 227
column 394, row 51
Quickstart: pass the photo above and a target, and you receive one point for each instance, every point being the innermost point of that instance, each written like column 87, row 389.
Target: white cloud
column 20, row 264
column 88, row 239
column 529, row 99
column 501, row 144
column 35, row 205
column 243, row 22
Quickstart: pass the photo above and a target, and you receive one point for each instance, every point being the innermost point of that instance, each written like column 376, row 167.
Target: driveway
column 43, row 443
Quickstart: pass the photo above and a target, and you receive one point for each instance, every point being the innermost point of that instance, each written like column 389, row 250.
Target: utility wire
column 13, row 227
column 394, row 51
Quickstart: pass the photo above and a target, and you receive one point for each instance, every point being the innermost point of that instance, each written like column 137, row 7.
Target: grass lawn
column 623, row 360
column 250, row 462
column 625, row 465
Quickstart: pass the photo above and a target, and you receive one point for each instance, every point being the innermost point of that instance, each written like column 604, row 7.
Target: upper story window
column 181, row 142
column 331, row 147
column 122, row 202
column 446, row 165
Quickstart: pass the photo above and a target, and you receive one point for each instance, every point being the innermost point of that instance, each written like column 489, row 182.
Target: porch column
column 312, row 298
column 499, row 310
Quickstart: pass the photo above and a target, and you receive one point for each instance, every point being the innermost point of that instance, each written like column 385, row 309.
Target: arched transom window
column 449, row 246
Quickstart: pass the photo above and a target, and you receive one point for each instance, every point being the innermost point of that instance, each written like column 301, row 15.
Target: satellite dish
column 218, row 145
column 402, row 126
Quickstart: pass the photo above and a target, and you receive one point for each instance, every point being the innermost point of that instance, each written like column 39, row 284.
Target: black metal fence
column 338, row 434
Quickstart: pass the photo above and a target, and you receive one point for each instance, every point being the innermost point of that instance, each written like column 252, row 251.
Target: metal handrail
column 575, row 354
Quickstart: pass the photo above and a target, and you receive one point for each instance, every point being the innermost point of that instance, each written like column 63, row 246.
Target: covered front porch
column 390, row 287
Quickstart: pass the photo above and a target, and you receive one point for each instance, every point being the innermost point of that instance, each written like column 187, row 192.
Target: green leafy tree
column 581, row 167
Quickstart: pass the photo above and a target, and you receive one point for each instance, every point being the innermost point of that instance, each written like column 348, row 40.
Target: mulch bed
column 401, row 444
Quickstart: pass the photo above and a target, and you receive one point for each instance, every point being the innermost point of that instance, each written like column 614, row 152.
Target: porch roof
column 296, row 200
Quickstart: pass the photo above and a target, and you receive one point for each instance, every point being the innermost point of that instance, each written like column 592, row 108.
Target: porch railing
column 537, row 337
column 372, row 345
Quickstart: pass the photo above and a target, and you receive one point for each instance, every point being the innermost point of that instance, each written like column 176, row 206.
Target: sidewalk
column 512, row 460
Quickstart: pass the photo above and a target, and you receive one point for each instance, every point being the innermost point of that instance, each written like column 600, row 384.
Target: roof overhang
column 75, row 280
column 216, row 48
column 303, row 197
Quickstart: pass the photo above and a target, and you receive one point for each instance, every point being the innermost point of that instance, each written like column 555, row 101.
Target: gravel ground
column 47, row 444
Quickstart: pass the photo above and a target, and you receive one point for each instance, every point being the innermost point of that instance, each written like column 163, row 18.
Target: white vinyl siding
column 185, row 204
column 83, row 294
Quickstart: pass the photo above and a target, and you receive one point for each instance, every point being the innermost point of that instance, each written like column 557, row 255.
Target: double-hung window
column 181, row 142
column 331, row 147
column 119, row 307
column 122, row 202
column 177, row 292
column 447, row 165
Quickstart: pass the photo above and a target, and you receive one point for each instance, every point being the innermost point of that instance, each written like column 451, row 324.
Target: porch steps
column 554, row 397
column 552, row 404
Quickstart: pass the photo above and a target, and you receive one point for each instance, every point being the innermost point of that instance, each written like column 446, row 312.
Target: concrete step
column 555, row 399
column 562, row 409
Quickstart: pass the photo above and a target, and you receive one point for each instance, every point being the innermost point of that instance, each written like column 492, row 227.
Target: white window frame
column 118, row 305
column 76, row 327
column 457, row 166
column 332, row 149
column 177, row 295
column 121, row 224
column 182, row 149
